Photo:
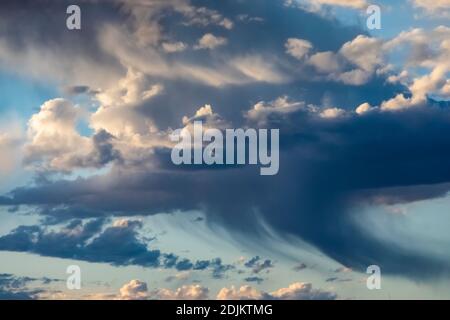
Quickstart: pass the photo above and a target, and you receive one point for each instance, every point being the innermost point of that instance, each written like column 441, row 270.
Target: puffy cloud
column 332, row 113
column 282, row 107
column 204, row 111
column 355, row 62
column 242, row 293
column 429, row 50
column 326, row 62
column 172, row 47
column 295, row 291
column 362, row 58
column 363, row 108
column 207, row 116
column 439, row 7
column 55, row 144
column 298, row 48
column 302, row 291
column 53, row 134
column 134, row 88
column 118, row 113
column 354, row 77
column 134, row 290
column 186, row 292
column 210, row 41
column 138, row 290
column 364, row 52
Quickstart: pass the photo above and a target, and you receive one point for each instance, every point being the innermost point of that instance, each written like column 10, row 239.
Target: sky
column 87, row 179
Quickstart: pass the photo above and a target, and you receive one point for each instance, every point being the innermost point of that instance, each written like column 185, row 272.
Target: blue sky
column 86, row 178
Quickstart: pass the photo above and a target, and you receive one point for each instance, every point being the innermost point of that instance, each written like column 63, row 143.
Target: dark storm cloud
column 327, row 167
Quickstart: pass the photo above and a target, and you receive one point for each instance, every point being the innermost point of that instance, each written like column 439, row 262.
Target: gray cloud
column 118, row 244
column 257, row 264
column 18, row 288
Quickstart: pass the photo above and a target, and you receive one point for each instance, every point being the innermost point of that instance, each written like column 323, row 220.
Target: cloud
column 242, row 293
column 138, row 290
column 259, row 69
column 186, row 292
column 295, row 291
column 118, row 244
column 134, row 290
column 437, row 7
column 257, row 265
column 372, row 122
column 363, row 52
column 302, row 291
column 180, row 276
column 210, row 41
column 22, row 288
column 11, row 138
column 258, row 280
column 172, row 47
column 428, row 49
column 325, row 62
column 354, row 64
column 363, row 108
column 298, row 48
column 348, row 178
column 332, row 113
column 54, row 142
column 283, row 106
